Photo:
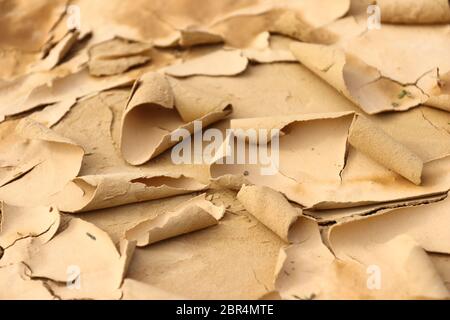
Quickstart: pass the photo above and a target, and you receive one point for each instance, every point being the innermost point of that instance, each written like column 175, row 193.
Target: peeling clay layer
column 231, row 150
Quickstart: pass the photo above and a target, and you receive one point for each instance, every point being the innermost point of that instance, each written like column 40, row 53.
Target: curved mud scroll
column 196, row 214
column 111, row 190
column 381, row 147
column 414, row 11
column 270, row 207
column 158, row 109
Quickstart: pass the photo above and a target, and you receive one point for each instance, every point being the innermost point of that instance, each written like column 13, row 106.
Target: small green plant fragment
column 403, row 94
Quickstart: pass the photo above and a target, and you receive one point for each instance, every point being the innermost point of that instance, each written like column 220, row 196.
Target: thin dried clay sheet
column 218, row 63
column 118, row 48
column 117, row 56
column 426, row 224
column 52, row 114
column 282, row 89
column 83, row 254
column 69, row 81
column 276, row 51
column 157, row 109
column 358, row 81
column 331, row 216
column 424, row 130
column 18, row 223
column 157, row 20
column 90, row 123
column 50, row 162
column 104, row 191
column 296, row 19
column 270, row 207
column 381, row 147
column 69, row 87
column 196, row 214
column 24, row 230
column 189, row 37
column 308, row 270
column 312, row 126
column 404, row 45
column 302, row 18
column 57, row 53
column 341, row 30
column 414, row 11
column 16, row 90
column 117, row 220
